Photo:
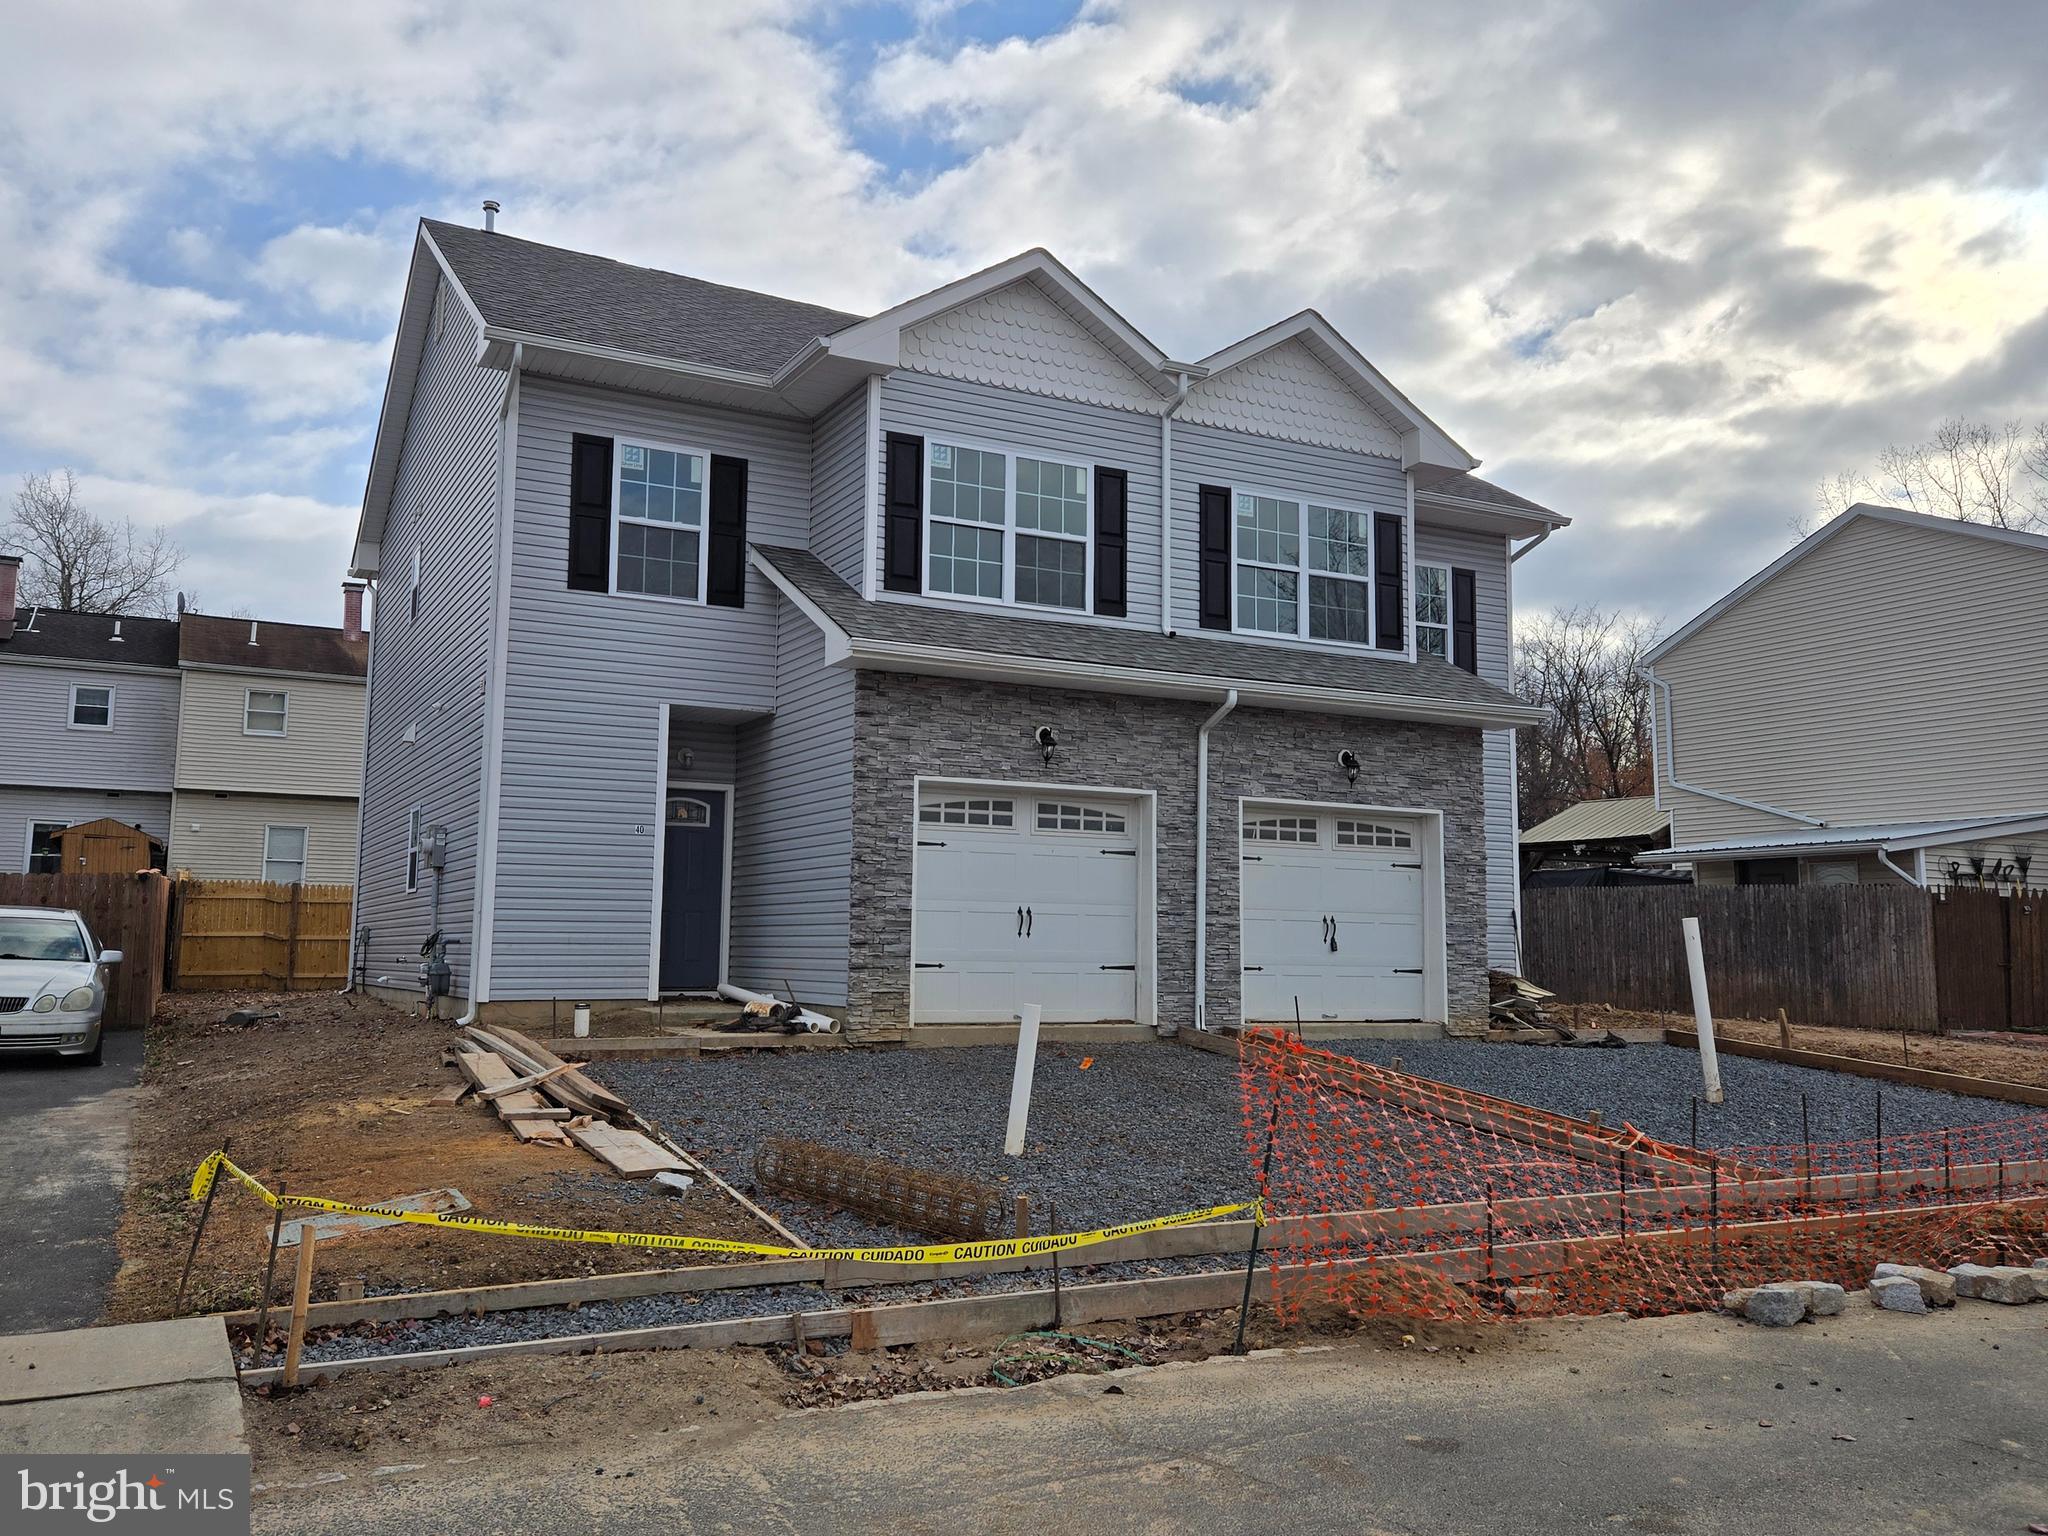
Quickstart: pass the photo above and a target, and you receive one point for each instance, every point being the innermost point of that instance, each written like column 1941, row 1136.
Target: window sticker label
column 942, row 455
column 634, row 458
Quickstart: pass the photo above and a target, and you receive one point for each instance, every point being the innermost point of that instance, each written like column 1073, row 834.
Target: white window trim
column 415, row 818
column 304, row 859
column 71, row 720
column 702, row 530
column 249, row 695
column 1302, row 570
column 1450, row 623
column 28, row 842
column 1008, row 528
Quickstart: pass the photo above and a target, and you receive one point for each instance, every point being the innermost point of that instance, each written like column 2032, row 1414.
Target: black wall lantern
column 1048, row 743
column 1348, row 761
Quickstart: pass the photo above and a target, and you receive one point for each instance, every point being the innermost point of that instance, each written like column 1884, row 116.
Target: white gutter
column 1670, row 756
column 483, row 907
column 871, row 482
column 1546, row 533
column 1180, row 399
column 1202, row 858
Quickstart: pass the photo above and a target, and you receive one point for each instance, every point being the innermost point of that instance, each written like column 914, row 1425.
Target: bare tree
column 78, row 562
column 1586, row 665
column 1969, row 470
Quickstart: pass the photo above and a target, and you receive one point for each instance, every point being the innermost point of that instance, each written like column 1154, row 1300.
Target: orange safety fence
column 1394, row 1195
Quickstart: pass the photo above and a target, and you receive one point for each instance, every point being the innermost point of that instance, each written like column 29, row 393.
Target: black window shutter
column 725, row 582
column 590, row 513
column 1465, row 620
column 1215, row 551
column 903, row 520
column 1112, row 540
column 1390, row 621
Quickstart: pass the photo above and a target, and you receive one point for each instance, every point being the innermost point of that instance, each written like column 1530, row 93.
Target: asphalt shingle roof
column 1472, row 488
column 90, row 637
column 570, row 296
column 1427, row 679
column 215, row 642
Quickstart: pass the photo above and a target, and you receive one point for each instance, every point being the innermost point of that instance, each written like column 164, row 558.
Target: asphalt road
column 1870, row 1423
column 64, row 1150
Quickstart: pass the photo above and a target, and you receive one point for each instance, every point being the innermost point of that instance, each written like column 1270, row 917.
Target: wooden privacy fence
column 125, row 912
column 245, row 933
column 1855, row 955
column 1991, row 959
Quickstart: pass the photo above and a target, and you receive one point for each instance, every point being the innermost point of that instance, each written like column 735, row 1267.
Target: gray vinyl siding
column 1068, row 429
column 138, row 753
column 1895, row 673
column 588, row 675
column 1213, row 456
column 1486, row 556
column 19, row 806
column 793, row 837
column 431, row 673
column 839, row 478
column 710, row 745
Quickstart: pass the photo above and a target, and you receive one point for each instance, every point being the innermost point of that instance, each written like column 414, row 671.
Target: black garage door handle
column 931, row 965
column 1119, row 967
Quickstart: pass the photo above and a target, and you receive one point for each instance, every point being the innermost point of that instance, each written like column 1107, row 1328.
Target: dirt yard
column 2024, row 1061
column 332, row 1098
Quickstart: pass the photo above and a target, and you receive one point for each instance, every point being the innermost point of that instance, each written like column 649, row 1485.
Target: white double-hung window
column 1432, row 609
column 658, row 521
column 1006, row 527
column 1303, row 568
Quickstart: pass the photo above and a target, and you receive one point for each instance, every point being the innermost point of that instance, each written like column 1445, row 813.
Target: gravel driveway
column 1652, row 1087
column 1144, row 1130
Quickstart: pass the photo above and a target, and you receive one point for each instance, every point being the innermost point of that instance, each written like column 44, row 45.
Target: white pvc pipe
column 1020, row 1080
column 816, row 1023
column 1702, row 1012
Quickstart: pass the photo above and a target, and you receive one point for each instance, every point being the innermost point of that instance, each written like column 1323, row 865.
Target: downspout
column 1884, row 857
column 484, row 891
column 1202, row 857
column 1517, row 554
column 355, row 901
column 1180, row 398
column 1670, row 743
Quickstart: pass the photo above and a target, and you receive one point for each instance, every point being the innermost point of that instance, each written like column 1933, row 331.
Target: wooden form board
column 627, row 1153
column 525, row 1111
column 1884, row 1071
column 1648, row 1210
column 1107, row 1301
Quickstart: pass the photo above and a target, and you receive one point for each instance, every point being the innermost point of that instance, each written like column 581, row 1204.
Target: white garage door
column 1332, row 915
column 1025, row 898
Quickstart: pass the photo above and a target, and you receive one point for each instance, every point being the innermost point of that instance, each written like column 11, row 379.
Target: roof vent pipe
column 490, row 213
column 252, row 631
column 116, row 636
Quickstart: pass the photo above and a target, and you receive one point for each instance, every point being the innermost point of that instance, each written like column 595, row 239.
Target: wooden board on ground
column 626, row 1153
column 332, row 1224
column 520, row 1110
column 571, row 1087
column 1883, row 1071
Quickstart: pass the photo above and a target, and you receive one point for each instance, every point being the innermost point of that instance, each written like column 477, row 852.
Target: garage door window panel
column 968, row 813
column 1057, row 817
column 1281, row 829
column 1372, row 834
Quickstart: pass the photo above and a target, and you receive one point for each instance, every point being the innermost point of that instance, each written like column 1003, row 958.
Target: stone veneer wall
column 906, row 725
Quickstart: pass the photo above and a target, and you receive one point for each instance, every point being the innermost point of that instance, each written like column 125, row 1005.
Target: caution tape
column 911, row 1253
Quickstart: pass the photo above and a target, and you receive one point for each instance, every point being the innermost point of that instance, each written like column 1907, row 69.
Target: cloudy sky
column 1662, row 266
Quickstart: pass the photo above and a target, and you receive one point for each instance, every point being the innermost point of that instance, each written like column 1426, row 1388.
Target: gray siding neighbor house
column 1809, row 733
column 931, row 664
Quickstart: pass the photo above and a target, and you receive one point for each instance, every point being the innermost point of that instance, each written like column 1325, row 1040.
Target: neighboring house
column 969, row 655
column 1868, row 707
column 270, row 748
column 234, row 745
column 90, row 703
column 1596, row 834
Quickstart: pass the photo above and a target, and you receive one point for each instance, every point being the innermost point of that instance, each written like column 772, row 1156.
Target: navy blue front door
column 692, row 889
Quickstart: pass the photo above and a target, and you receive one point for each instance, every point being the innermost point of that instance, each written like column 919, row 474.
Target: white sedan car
column 53, row 982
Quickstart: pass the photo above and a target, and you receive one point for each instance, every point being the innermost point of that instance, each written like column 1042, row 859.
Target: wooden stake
column 1784, row 1031
column 205, row 1210
column 270, row 1269
column 302, row 1292
column 1023, row 1215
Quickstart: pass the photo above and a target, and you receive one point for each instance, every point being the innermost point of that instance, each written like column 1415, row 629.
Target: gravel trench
column 1652, row 1087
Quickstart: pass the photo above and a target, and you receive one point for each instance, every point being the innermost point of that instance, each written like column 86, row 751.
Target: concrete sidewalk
column 64, row 1143
column 149, row 1388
